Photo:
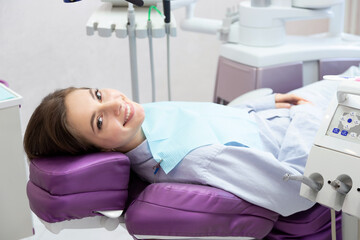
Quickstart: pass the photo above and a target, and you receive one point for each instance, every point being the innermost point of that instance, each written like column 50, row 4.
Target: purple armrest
column 73, row 187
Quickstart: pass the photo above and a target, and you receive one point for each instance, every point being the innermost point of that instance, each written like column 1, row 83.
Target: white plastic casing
column 334, row 156
column 315, row 4
column 109, row 19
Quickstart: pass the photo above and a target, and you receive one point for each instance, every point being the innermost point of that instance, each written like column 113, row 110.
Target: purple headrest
column 72, row 187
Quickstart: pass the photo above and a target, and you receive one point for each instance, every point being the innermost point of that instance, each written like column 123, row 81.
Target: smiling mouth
column 128, row 112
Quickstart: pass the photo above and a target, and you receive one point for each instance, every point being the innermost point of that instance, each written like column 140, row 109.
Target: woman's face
column 105, row 118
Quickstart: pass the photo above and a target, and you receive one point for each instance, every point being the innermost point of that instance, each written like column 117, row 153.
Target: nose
column 113, row 106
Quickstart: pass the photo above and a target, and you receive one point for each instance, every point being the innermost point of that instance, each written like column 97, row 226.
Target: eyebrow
column 93, row 115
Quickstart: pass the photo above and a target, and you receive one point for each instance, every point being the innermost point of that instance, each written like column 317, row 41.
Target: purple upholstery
column 307, row 225
column 57, row 208
column 334, row 66
column 72, row 187
column 73, row 174
column 174, row 209
column 65, row 188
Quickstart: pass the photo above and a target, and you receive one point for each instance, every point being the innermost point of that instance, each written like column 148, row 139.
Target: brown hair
column 48, row 134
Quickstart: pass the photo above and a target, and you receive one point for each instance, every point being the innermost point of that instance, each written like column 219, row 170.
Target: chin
column 140, row 113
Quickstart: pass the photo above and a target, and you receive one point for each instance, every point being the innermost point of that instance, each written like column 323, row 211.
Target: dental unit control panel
column 334, row 160
column 345, row 124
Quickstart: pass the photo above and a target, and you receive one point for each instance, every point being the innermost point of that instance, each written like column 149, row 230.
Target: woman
column 85, row 120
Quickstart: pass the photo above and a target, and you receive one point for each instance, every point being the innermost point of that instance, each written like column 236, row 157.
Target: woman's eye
column 98, row 95
column 99, row 122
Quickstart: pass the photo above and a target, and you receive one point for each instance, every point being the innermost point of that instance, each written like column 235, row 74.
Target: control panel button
column 348, row 121
column 344, row 132
column 336, row 130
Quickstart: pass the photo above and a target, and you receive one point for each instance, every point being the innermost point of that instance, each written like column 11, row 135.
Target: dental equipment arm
column 133, row 56
column 194, row 24
column 261, row 23
column 166, row 5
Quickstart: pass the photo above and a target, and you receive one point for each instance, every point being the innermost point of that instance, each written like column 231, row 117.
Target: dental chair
column 100, row 190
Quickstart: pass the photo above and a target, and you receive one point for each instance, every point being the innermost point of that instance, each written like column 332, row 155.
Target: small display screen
column 345, row 124
column 5, row 94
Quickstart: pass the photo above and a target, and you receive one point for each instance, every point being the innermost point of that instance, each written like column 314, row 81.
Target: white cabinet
column 15, row 214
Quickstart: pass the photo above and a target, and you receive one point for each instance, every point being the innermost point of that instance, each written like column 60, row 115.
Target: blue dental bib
column 173, row 129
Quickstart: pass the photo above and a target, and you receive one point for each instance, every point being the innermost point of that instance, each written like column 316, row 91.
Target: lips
column 129, row 113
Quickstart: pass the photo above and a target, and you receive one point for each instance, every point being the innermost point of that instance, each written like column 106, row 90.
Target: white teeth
column 127, row 113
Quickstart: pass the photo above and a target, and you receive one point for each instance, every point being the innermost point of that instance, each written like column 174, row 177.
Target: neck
column 136, row 141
